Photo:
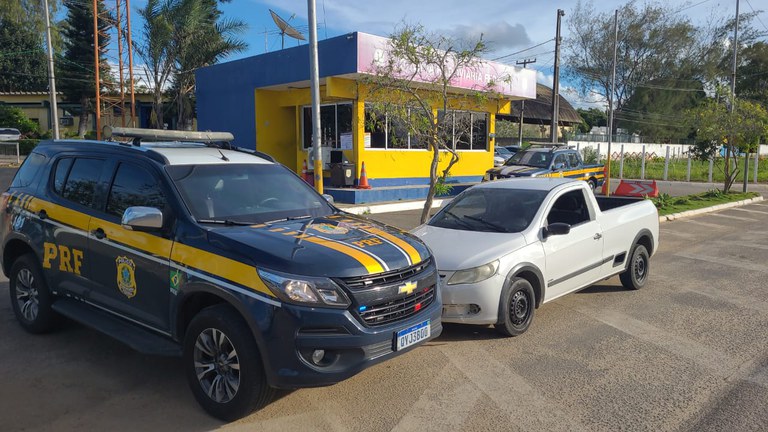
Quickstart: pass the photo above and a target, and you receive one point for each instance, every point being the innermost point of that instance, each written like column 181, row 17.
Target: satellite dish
column 285, row 28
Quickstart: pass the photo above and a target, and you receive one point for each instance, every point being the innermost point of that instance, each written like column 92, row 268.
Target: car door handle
column 99, row 233
column 597, row 236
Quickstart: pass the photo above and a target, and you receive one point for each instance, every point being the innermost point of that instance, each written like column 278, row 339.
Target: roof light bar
column 167, row 135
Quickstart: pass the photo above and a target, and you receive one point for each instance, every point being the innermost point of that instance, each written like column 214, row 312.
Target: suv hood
column 461, row 249
column 516, row 170
column 340, row 245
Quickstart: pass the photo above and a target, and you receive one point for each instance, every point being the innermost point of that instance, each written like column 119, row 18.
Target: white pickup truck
column 504, row 248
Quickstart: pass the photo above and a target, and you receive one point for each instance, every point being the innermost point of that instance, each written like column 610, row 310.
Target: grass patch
column 667, row 204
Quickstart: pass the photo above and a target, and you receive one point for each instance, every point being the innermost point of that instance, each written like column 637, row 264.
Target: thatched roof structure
column 539, row 111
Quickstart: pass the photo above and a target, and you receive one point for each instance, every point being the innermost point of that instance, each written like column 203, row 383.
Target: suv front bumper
column 296, row 332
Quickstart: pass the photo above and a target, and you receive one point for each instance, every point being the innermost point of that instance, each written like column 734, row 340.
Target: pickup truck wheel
column 222, row 364
column 636, row 274
column 30, row 298
column 516, row 308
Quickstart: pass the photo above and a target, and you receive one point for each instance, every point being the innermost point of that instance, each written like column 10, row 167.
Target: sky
column 510, row 26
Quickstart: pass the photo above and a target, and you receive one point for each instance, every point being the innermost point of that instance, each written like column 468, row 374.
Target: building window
column 388, row 132
column 335, row 120
column 469, row 130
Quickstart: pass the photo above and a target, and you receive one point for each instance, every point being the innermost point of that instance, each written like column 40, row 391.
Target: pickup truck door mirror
column 329, row 198
column 558, row 166
column 556, row 228
column 142, row 219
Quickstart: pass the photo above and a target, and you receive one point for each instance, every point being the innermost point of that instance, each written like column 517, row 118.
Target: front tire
column 30, row 298
column 516, row 308
column 636, row 274
column 222, row 364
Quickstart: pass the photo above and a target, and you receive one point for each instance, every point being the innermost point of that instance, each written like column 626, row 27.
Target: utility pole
column 607, row 178
column 314, row 78
column 522, row 105
column 96, row 67
column 556, row 81
column 51, row 73
column 733, row 95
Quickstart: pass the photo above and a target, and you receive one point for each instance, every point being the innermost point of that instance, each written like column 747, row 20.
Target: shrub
column 13, row 117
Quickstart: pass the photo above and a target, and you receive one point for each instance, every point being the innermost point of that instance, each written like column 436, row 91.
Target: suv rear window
column 28, row 170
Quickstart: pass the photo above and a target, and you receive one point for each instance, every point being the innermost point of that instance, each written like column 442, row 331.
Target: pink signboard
column 372, row 51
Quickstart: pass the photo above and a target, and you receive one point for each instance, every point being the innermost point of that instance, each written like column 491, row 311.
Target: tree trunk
column 180, row 108
column 158, row 107
column 432, row 180
column 81, row 128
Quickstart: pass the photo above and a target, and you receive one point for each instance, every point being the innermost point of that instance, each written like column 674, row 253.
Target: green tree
column 416, row 61
column 590, row 118
column 715, row 128
column 655, row 109
column 653, row 42
column 752, row 74
column 29, row 13
column 178, row 37
column 22, row 59
column 14, row 117
column 76, row 68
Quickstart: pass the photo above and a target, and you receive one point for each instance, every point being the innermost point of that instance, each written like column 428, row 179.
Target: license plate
column 412, row 335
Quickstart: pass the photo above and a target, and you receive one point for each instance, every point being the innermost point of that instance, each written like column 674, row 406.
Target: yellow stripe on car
column 366, row 260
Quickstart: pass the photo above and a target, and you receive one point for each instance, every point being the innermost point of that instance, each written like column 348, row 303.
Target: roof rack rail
column 162, row 134
column 551, row 146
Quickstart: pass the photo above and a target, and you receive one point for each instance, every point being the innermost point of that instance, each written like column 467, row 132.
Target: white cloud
column 498, row 35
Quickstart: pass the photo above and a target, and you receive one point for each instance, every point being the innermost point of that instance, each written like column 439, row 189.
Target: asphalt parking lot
column 687, row 352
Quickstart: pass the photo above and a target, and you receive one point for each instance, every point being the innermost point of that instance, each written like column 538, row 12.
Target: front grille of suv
column 398, row 309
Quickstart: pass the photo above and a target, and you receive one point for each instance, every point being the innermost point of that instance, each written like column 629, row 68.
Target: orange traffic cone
column 605, row 180
column 363, row 183
column 304, row 172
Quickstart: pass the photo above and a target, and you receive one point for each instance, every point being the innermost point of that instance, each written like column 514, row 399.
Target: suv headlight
column 474, row 275
column 304, row 290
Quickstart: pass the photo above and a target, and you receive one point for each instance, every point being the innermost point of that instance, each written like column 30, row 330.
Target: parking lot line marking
column 742, row 244
column 750, row 211
column 706, row 224
column 720, row 363
column 677, row 233
column 728, row 297
column 725, row 261
column 733, row 217
column 455, row 403
column 496, row 380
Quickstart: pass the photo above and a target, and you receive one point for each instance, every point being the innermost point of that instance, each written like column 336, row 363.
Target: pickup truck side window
column 570, row 208
column 560, row 162
column 60, row 175
column 82, row 181
column 573, row 160
column 134, row 186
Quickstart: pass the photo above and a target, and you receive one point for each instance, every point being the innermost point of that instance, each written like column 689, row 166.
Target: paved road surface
column 689, row 352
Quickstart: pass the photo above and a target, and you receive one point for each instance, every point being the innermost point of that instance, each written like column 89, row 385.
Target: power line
column 756, row 15
column 522, row 51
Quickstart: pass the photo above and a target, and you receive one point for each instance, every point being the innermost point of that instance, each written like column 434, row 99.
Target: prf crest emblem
column 126, row 278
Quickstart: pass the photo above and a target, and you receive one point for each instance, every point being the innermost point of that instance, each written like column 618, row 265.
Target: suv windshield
column 246, row 193
column 490, row 209
column 539, row 159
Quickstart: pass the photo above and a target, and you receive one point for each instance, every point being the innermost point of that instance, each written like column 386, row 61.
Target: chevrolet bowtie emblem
column 407, row 288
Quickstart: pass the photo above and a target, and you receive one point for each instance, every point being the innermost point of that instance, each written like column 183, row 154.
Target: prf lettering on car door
column 69, row 259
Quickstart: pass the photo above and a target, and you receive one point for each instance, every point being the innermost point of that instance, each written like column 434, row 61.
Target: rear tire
column 30, row 298
column 222, row 364
column 636, row 274
column 516, row 308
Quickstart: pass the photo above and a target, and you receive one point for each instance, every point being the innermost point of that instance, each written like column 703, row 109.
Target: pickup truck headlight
column 474, row 275
column 304, row 290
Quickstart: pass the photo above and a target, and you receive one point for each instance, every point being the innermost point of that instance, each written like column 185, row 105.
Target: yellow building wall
column 279, row 123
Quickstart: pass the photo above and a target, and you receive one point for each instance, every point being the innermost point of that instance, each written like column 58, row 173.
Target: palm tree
column 179, row 37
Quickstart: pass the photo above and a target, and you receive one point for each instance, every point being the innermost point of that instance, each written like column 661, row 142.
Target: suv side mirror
column 558, row 166
column 142, row 218
column 329, row 198
column 556, row 228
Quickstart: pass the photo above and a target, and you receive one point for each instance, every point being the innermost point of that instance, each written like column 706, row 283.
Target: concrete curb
column 689, row 213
